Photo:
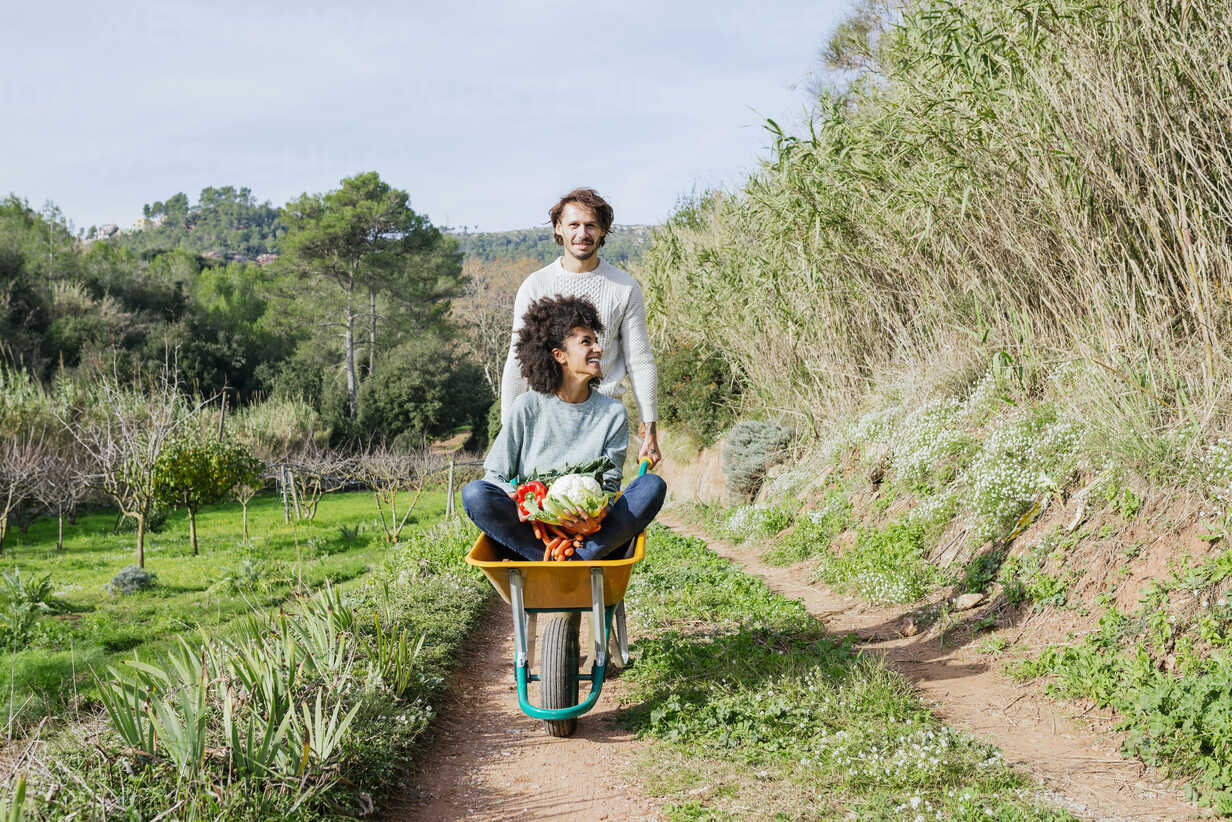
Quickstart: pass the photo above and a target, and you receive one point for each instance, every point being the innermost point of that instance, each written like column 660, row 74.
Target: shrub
column 700, row 392
column 130, row 580
column 252, row 575
column 422, row 390
column 21, row 603
column 749, row 449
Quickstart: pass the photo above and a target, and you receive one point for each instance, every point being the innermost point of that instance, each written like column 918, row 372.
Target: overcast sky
column 484, row 112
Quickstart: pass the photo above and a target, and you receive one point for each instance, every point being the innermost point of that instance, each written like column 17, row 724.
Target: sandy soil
column 489, row 761
column 1077, row 761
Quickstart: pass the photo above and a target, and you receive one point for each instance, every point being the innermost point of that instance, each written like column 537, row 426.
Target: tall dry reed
column 1046, row 183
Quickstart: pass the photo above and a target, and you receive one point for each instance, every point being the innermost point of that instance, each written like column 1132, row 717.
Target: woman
column 563, row 420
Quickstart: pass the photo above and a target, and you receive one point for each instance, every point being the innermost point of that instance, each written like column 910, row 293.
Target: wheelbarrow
column 566, row 590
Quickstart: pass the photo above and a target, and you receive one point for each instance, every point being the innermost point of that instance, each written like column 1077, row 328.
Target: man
column 581, row 220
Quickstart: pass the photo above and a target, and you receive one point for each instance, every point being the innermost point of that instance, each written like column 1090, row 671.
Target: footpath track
column 489, row 762
column 1077, row 764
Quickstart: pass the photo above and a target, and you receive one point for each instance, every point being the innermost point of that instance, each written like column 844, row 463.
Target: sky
column 484, row 112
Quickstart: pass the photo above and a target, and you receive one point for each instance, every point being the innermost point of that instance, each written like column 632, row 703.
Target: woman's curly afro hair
column 544, row 327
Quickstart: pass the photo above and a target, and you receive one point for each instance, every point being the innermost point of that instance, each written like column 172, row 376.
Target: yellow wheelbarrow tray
column 571, row 587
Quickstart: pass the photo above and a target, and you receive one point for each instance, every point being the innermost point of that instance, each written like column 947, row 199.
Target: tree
column 123, row 433
column 193, row 471
column 485, row 311
column 396, row 480
column 63, row 482
column 244, row 490
column 423, row 390
column 355, row 243
column 21, row 469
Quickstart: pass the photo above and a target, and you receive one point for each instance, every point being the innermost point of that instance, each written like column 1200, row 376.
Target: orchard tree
column 62, row 482
column 247, row 486
column 122, row 433
column 22, row 465
column 485, row 311
column 193, row 471
column 397, row 481
column 346, row 248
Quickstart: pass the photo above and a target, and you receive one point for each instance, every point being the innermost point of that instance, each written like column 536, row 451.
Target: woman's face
column 581, row 353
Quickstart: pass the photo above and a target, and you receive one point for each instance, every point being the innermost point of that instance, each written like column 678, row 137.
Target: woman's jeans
column 496, row 514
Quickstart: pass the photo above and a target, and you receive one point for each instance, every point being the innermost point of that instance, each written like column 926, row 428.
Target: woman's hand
column 581, row 525
column 522, row 516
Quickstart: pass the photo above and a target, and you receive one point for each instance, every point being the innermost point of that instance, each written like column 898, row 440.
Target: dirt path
column 1078, row 764
column 491, row 762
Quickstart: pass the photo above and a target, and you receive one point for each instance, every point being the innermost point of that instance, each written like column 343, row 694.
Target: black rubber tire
column 559, row 681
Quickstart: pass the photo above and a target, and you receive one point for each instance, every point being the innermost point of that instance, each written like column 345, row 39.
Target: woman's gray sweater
column 544, row 432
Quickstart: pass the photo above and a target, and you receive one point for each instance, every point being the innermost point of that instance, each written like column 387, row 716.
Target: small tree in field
column 249, row 482
column 396, row 480
column 123, row 432
column 63, row 483
column 315, row 472
column 21, row 469
column 193, row 471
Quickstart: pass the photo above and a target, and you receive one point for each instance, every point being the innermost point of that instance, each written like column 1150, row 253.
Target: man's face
column 579, row 231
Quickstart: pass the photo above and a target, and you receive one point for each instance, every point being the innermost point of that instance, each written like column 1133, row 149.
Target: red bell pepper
column 534, row 489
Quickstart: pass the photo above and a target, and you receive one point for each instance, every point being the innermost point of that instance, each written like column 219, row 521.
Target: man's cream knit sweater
column 626, row 345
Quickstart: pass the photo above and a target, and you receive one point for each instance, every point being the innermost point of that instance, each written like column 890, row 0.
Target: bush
column 422, row 390
column 749, row 449
column 21, row 603
column 699, row 392
column 130, row 580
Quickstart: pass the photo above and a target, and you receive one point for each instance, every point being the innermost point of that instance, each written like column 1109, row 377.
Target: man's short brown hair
column 587, row 197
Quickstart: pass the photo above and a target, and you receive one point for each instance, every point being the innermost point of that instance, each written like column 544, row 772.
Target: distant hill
column 625, row 244
column 225, row 223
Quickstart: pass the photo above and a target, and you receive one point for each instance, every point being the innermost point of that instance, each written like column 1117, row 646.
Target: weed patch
column 886, row 565
column 814, row 532
column 1166, row 673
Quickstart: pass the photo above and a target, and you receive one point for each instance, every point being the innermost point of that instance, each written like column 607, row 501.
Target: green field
column 49, row 672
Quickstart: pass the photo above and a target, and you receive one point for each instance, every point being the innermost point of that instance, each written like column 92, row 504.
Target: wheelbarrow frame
column 572, row 586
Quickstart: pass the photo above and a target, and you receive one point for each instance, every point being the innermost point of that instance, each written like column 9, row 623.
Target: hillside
column 974, row 316
column 225, row 223
column 625, row 245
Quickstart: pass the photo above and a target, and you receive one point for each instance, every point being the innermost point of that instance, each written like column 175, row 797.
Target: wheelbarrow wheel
column 560, row 671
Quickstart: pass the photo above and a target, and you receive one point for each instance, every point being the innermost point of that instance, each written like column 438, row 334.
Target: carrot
column 547, row 553
column 569, row 551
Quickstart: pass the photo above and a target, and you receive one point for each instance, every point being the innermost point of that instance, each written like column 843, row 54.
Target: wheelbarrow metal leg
column 519, row 618
column 598, row 617
column 622, row 633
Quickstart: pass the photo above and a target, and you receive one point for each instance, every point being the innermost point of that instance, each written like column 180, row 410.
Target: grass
column 208, row 592
column 761, row 714
column 369, row 668
column 989, row 187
